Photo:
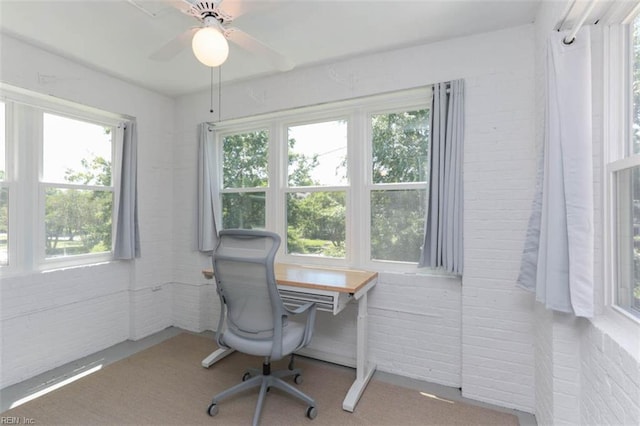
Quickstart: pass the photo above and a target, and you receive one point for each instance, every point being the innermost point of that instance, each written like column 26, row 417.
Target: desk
column 332, row 289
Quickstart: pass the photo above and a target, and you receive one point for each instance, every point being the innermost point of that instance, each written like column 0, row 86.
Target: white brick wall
column 497, row 341
column 53, row 318
column 610, row 380
column 402, row 328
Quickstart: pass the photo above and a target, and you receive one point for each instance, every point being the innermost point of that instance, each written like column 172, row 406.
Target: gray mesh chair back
column 253, row 319
column 243, row 265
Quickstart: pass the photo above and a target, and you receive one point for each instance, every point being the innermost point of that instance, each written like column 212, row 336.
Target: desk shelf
column 325, row 300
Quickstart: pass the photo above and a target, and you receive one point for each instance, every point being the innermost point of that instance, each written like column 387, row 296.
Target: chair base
column 265, row 380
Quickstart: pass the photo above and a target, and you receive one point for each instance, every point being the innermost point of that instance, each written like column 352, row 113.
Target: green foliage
column 79, row 216
column 244, row 210
column 397, row 224
column 300, row 167
column 400, row 147
column 317, row 216
column 4, row 213
column 97, row 171
column 246, row 157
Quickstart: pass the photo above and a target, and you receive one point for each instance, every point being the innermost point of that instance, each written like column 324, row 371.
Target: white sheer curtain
column 443, row 235
column 557, row 261
column 208, row 193
column 127, row 233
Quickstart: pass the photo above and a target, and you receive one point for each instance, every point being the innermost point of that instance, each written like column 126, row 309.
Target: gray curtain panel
column 557, row 261
column 442, row 247
column 207, row 190
column 127, row 238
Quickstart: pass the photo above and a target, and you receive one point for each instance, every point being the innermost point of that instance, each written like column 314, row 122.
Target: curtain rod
column 585, row 14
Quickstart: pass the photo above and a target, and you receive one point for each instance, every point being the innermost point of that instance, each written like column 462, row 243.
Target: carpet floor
column 166, row 385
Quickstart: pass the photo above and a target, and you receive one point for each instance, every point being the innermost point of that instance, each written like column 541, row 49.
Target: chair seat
column 292, row 335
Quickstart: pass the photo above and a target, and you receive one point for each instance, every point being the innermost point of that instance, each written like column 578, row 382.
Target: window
column 343, row 184
column 76, row 182
column 317, row 185
column 245, row 178
column 56, row 183
column 624, row 169
column 4, row 192
column 398, row 194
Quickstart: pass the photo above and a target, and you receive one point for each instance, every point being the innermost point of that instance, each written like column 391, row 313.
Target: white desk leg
column 364, row 370
column 216, row 356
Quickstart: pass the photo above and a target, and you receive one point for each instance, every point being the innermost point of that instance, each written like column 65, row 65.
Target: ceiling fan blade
column 255, row 46
column 181, row 5
column 173, row 47
column 237, row 8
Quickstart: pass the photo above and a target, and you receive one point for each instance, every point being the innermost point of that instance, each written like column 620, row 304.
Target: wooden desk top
column 332, row 279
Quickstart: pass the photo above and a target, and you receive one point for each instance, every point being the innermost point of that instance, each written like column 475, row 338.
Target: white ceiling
column 116, row 37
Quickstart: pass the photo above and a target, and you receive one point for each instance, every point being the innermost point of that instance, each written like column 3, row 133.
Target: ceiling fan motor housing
column 206, row 9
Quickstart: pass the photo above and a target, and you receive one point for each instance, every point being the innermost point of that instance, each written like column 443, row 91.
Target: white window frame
column 357, row 113
column 9, row 184
column 616, row 153
column 24, row 154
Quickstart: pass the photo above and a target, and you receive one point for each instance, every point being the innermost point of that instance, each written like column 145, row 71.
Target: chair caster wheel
column 297, row 379
column 213, row 409
column 246, row 376
column 312, row 412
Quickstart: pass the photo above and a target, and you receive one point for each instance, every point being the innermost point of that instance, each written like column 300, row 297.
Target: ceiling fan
column 215, row 22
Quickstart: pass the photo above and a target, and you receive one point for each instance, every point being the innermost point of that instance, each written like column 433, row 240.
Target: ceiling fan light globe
column 210, row 47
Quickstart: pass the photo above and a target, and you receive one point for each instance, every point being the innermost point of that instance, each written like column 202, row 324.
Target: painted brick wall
column 610, row 380
column 418, row 336
column 53, row 318
column 497, row 341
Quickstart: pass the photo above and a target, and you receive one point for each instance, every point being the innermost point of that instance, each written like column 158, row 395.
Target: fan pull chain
column 211, row 99
column 219, row 93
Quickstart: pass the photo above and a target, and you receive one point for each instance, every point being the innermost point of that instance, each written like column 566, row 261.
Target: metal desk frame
column 355, row 283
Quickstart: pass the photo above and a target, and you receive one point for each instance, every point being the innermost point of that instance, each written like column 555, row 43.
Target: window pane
column 400, row 146
column 628, row 229
column 318, row 154
column 76, row 151
column 4, row 226
column 3, row 166
column 77, row 222
column 245, row 159
column 245, row 210
column 316, row 223
column 397, row 224
column 636, row 86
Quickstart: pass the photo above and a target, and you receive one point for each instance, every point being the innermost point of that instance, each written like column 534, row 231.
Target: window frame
column 359, row 186
column 8, row 183
column 25, row 156
column 617, row 153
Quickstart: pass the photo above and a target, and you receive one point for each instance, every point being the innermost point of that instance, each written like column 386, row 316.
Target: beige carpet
column 166, row 385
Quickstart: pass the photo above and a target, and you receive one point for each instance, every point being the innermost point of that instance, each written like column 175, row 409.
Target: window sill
column 622, row 328
column 57, row 266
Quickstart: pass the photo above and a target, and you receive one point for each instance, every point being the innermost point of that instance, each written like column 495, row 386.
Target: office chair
column 253, row 319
